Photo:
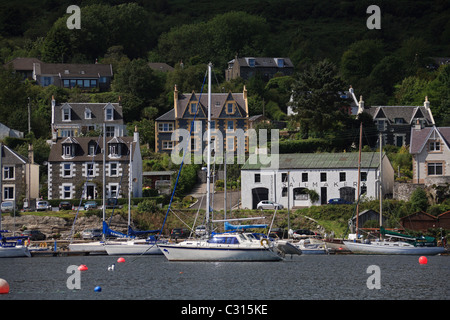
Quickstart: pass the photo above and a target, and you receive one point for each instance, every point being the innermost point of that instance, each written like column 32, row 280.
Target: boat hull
column 132, row 249
column 391, row 249
column 96, row 247
column 181, row 252
column 16, row 251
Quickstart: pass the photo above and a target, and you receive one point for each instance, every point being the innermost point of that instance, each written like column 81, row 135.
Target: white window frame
column 113, row 172
column 165, row 127
column 66, row 116
column 109, row 114
column 11, row 173
column 63, row 190
column 63, row 170
column 110, row 194
column 87, row 113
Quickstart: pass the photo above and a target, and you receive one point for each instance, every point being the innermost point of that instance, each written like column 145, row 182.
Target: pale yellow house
column 430, row 149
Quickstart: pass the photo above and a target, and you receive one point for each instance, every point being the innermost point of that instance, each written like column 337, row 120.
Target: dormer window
column 280, row 63
column 66, row 114
column 109, row 113
column 230, row 108
column 251, row 62
column 115, row 150
column 68, row 150
column 87, row 113
column 193, row 108
column 92, row 148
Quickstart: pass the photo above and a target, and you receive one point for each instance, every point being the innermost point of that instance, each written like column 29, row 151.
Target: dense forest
column 387, row 66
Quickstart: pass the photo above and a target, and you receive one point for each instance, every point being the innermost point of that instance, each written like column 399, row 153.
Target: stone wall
column 54, row 225
column 403, row 191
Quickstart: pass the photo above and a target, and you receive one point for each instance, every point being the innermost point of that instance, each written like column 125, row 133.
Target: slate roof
column 264, row 62
column 97, row 113
column 66, row 70
column 160, row 66
column 82, row 149
column 322, row 161
column 23, row 64
column 408, row 113
column 168, row 116
column 420, row 137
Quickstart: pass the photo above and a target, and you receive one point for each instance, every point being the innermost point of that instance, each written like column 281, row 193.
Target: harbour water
column 308, row 277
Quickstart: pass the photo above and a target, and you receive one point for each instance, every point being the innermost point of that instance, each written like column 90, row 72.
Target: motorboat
column 233, row 246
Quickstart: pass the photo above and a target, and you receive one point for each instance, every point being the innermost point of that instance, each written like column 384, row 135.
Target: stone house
column 395, row 122
column 229, row 113
column 19, row 176
column 248, row 67
column 74, row 119
column 75, row 162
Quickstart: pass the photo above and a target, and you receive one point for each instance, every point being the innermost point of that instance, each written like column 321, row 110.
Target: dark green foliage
column 419, row 200
column 316, row 97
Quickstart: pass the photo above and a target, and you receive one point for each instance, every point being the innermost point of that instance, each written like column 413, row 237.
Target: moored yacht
column 222, row 247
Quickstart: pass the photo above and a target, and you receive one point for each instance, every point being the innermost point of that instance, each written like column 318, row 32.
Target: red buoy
column 120, row 260
column 82, row 267
column 423, row 260
column 4, row 286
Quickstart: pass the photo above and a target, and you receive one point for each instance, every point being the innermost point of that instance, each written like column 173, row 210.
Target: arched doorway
column 259, row 194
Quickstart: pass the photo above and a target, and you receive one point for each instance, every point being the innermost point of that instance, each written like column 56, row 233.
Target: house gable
column 194, row 108
column 230, row 108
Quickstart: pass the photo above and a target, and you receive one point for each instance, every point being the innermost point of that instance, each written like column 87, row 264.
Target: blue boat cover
column 229, row 226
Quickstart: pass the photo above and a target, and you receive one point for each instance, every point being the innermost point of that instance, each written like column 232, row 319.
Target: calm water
column 153, row 277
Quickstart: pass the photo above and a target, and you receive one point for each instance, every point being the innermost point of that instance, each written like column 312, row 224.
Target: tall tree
column 316, row 98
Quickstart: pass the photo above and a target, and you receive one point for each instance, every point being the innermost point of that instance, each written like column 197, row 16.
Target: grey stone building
column 248, row 67
column 75, row 167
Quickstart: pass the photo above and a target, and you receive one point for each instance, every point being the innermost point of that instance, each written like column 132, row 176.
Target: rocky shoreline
column 56, row 226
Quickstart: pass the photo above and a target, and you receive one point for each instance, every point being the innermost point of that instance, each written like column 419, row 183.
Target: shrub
column 147, row 206
column 419, row 200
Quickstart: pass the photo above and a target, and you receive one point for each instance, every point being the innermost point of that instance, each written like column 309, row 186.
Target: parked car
column 180, row 233
column 34, row 235
column 267, row 204
column 65, row 205
column 42, row 205
column 7, row 206
column 338, row 201
column 300, row 233
column 90, row 205
column 200, row 231
column 91, row 234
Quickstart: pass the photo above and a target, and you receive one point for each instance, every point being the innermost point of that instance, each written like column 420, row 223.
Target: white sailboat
column 132, row 246
column 230, row 246
column 408, row 245
column 12, row 247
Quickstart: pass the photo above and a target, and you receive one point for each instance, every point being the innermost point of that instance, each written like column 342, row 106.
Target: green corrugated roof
column 321, row 161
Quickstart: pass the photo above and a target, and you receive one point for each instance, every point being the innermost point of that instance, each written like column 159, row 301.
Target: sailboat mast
column 359, row 179
column 225, row 186
column 104, row 175
column 208, row 163
column 130, row 185
column 380, row 182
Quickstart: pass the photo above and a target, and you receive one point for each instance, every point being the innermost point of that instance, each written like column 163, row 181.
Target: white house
column 430, row 150
column 331, row 175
